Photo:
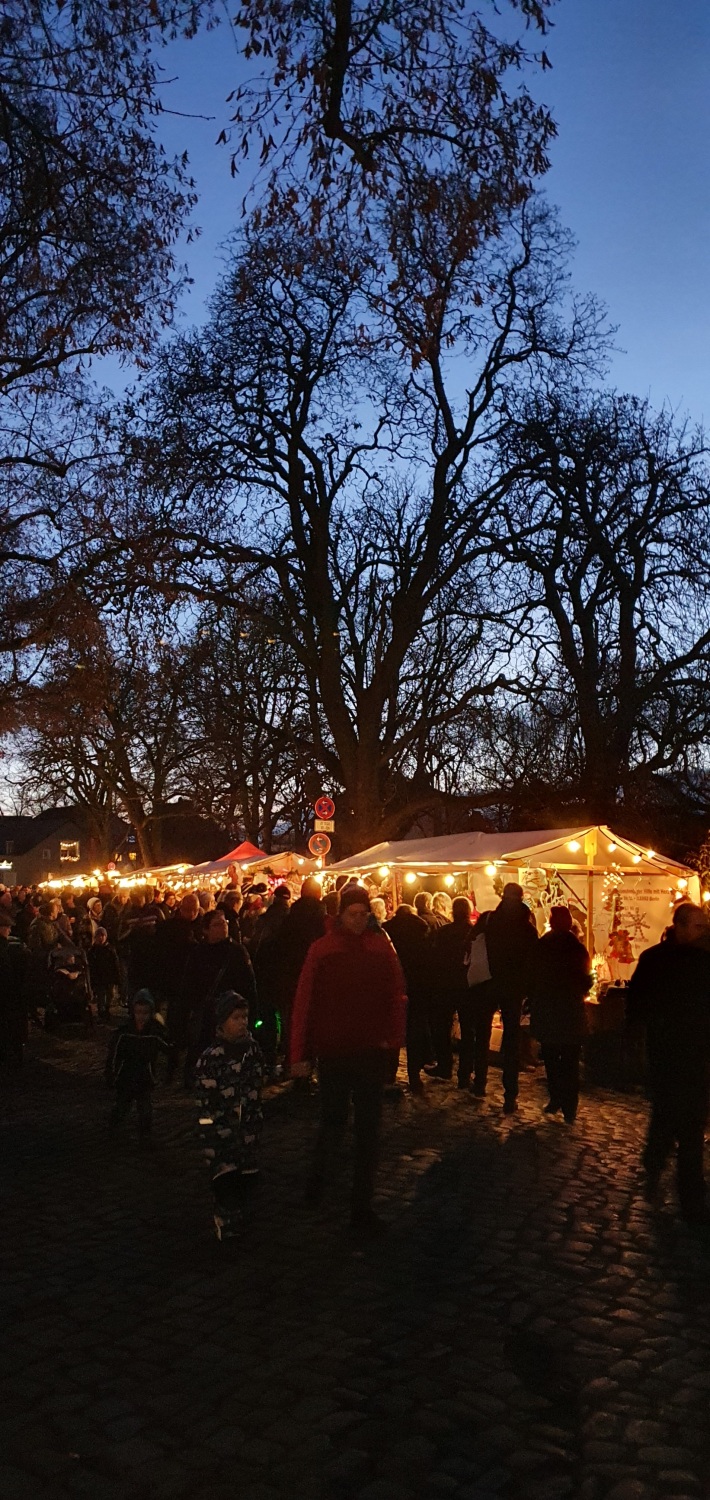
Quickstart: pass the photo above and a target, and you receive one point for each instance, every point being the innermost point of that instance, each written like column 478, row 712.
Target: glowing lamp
column 574, row 846
column 383, row 872
column 706, row 895
column 410, row 878
column 637, row 859
column 490, row 871
column 682, row 885
column 449, row 879
column 611, row 848
column 650, row 854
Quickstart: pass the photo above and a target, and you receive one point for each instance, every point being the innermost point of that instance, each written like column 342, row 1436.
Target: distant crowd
column 250, row 986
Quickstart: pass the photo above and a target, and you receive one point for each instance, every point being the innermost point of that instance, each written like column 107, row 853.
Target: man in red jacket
column 349, row 1013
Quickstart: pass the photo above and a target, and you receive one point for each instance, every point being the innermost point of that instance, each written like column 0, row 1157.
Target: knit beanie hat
column 144, row 997
column 560, row 919
column 227, row 1003
column 354, row 895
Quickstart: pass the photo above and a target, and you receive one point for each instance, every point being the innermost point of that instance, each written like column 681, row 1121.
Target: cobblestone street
column 529, row 1329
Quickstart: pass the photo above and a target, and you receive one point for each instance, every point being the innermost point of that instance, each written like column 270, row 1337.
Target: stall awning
column 566, row 848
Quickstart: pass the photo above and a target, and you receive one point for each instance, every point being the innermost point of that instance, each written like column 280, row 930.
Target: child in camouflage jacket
column 229, row 1082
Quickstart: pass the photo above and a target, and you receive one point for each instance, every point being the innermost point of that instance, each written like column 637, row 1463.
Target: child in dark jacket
column 103, row 968
column 230, row 1076
column 130, row 1066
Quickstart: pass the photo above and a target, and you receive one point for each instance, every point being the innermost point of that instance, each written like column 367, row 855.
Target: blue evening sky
column 631, row 174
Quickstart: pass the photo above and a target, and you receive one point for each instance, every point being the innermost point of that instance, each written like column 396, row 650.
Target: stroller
column 69, row 987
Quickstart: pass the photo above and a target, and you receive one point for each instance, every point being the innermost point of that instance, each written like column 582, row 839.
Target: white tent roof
column 550, row 846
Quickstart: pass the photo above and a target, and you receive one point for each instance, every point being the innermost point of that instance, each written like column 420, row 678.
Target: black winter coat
column 669, row 994
column 103, row 966
column 451, row 946
column 305, row 923
column 211, row 969
column 409, row 935
column 132, row 1056
column 560, row 980
column 511, row 940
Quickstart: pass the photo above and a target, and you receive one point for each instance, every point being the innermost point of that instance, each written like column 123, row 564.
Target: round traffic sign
column 325, row 808
column 319, row 843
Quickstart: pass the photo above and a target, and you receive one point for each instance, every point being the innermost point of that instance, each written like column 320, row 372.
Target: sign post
column 323, row 823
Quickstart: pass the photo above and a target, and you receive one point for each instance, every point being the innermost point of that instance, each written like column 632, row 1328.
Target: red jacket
column 351, row 998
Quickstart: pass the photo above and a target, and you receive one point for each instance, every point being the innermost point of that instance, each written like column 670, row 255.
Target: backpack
column 479, row 969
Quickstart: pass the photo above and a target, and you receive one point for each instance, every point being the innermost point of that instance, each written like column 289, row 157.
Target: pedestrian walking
column 669, row 996
column 511, row 940
column 131, row 1064
column 349, row 1013
column 561, row 978
column 229, row 1077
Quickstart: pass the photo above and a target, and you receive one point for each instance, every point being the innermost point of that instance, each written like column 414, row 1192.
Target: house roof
column 26, row 833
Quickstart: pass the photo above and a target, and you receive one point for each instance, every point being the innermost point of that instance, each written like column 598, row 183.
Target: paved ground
column 528, row 1330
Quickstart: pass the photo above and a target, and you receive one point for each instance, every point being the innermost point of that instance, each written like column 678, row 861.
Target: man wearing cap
column 349, row 1013
column 14, row 963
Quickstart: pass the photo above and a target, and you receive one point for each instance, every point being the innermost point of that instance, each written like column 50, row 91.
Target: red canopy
column 242, row 852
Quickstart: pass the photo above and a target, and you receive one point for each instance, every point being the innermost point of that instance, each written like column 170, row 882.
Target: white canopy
column 621, row 892
column 545, row 847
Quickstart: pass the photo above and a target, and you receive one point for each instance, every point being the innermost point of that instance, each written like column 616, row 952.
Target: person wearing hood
column 412, row 942
column 511, row 940
column 229, row 1080
column 349, row 1013
column 560, row 980
column 131, row 1063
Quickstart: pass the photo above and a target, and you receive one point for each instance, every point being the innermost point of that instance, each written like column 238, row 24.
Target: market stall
column 621, row 893
column 248, row 860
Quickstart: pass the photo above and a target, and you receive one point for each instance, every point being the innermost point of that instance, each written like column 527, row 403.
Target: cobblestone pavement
column 529, row 1329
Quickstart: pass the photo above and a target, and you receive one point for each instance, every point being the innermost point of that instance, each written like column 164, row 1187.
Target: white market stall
column 252, row 861
column 622, row 893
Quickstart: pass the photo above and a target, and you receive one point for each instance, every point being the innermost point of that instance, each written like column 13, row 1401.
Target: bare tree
column 247, row 706
column 609, row 522
column 292, row 444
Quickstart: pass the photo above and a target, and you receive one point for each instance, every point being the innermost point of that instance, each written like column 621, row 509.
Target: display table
column 613, row 1057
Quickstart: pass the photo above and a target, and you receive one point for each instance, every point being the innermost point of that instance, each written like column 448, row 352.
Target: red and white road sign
column 325, row 808
column 319, row 844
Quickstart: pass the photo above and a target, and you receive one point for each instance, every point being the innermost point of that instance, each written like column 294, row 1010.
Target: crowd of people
column 247, row 986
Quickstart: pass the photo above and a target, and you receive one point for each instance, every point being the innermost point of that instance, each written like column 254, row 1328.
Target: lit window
column 69, row 851
column 9, row 846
